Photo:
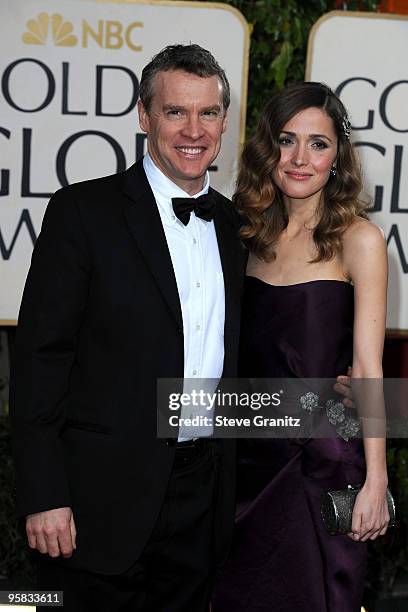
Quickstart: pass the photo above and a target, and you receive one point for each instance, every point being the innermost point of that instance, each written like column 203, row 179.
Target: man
column 126, row 287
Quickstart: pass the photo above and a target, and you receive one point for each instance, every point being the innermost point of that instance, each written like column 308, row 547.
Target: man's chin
column 192, row 174
column 193, row 170
column 190, row 183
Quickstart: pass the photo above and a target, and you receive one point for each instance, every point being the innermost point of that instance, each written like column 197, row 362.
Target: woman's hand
column 370, row 514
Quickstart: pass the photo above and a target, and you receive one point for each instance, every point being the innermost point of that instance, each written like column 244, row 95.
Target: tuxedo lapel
column 230, row 256
column 145, row 225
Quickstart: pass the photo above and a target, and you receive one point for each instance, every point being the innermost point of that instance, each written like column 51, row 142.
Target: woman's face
column 308, row 147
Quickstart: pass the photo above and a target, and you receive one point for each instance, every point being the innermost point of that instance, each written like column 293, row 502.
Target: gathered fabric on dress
column 282, row 558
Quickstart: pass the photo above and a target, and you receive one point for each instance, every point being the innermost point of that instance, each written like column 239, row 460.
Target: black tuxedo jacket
column 100, row 321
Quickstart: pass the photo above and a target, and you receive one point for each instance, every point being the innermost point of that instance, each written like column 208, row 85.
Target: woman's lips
column 298, row 176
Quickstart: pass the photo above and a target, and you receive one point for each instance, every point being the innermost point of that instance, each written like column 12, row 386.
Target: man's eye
column 211, row 113
column 174, row 112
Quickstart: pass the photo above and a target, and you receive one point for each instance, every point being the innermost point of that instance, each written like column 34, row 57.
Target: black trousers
column 175, row 571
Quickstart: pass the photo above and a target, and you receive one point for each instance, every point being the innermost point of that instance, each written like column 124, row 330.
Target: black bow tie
column 203, row 206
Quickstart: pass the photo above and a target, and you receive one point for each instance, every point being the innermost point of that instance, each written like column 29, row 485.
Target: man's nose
column 193, row 127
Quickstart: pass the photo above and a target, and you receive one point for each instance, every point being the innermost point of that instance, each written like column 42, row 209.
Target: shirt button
column 194, row 372
column 194, row 241
column 198, row 284
column 173, row 217
column 198, row 327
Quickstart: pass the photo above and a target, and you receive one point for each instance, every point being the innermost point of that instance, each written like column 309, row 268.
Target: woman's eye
column 319, row 144
column 284, row 140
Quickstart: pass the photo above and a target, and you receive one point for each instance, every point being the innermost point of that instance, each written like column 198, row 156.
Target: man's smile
column 191, row 151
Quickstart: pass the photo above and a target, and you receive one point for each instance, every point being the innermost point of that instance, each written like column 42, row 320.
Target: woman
column 315, row 301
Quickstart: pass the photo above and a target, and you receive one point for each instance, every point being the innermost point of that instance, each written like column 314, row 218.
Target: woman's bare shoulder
column 363, row 235
column 364, row 250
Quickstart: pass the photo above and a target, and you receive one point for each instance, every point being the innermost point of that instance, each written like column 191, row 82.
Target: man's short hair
column 189, row 58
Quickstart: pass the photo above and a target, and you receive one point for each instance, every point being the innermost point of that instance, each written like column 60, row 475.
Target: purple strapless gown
column 282, row 559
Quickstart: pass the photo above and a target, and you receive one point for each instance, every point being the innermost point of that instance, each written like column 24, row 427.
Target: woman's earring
column 333, row 171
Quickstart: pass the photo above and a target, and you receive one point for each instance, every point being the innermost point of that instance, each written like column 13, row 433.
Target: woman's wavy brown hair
column 260, row 202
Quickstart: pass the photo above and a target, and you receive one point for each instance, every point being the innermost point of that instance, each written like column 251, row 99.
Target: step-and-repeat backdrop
column 69, row 78
column 69, row 82
column 363, row 57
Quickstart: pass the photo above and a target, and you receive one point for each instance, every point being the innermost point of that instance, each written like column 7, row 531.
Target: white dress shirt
column 197, row 267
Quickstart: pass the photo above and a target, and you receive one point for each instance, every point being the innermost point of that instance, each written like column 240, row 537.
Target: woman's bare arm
column 365, row 259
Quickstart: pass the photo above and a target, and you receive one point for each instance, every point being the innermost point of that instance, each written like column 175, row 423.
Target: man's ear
column 143, row 117
column 224, row 122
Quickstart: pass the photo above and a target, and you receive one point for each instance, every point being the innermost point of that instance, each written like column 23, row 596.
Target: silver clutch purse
column 337, row 509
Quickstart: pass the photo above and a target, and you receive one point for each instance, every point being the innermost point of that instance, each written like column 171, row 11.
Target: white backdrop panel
column 69, row 73
column 363, row 57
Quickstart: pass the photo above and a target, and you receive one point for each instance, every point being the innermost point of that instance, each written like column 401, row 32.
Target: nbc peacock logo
column 39, row 30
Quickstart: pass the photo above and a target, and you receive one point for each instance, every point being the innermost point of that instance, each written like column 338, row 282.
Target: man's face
column 184, row 126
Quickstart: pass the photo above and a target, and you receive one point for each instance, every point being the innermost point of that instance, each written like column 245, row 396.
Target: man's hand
column 52, row 532
column 343, row 387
